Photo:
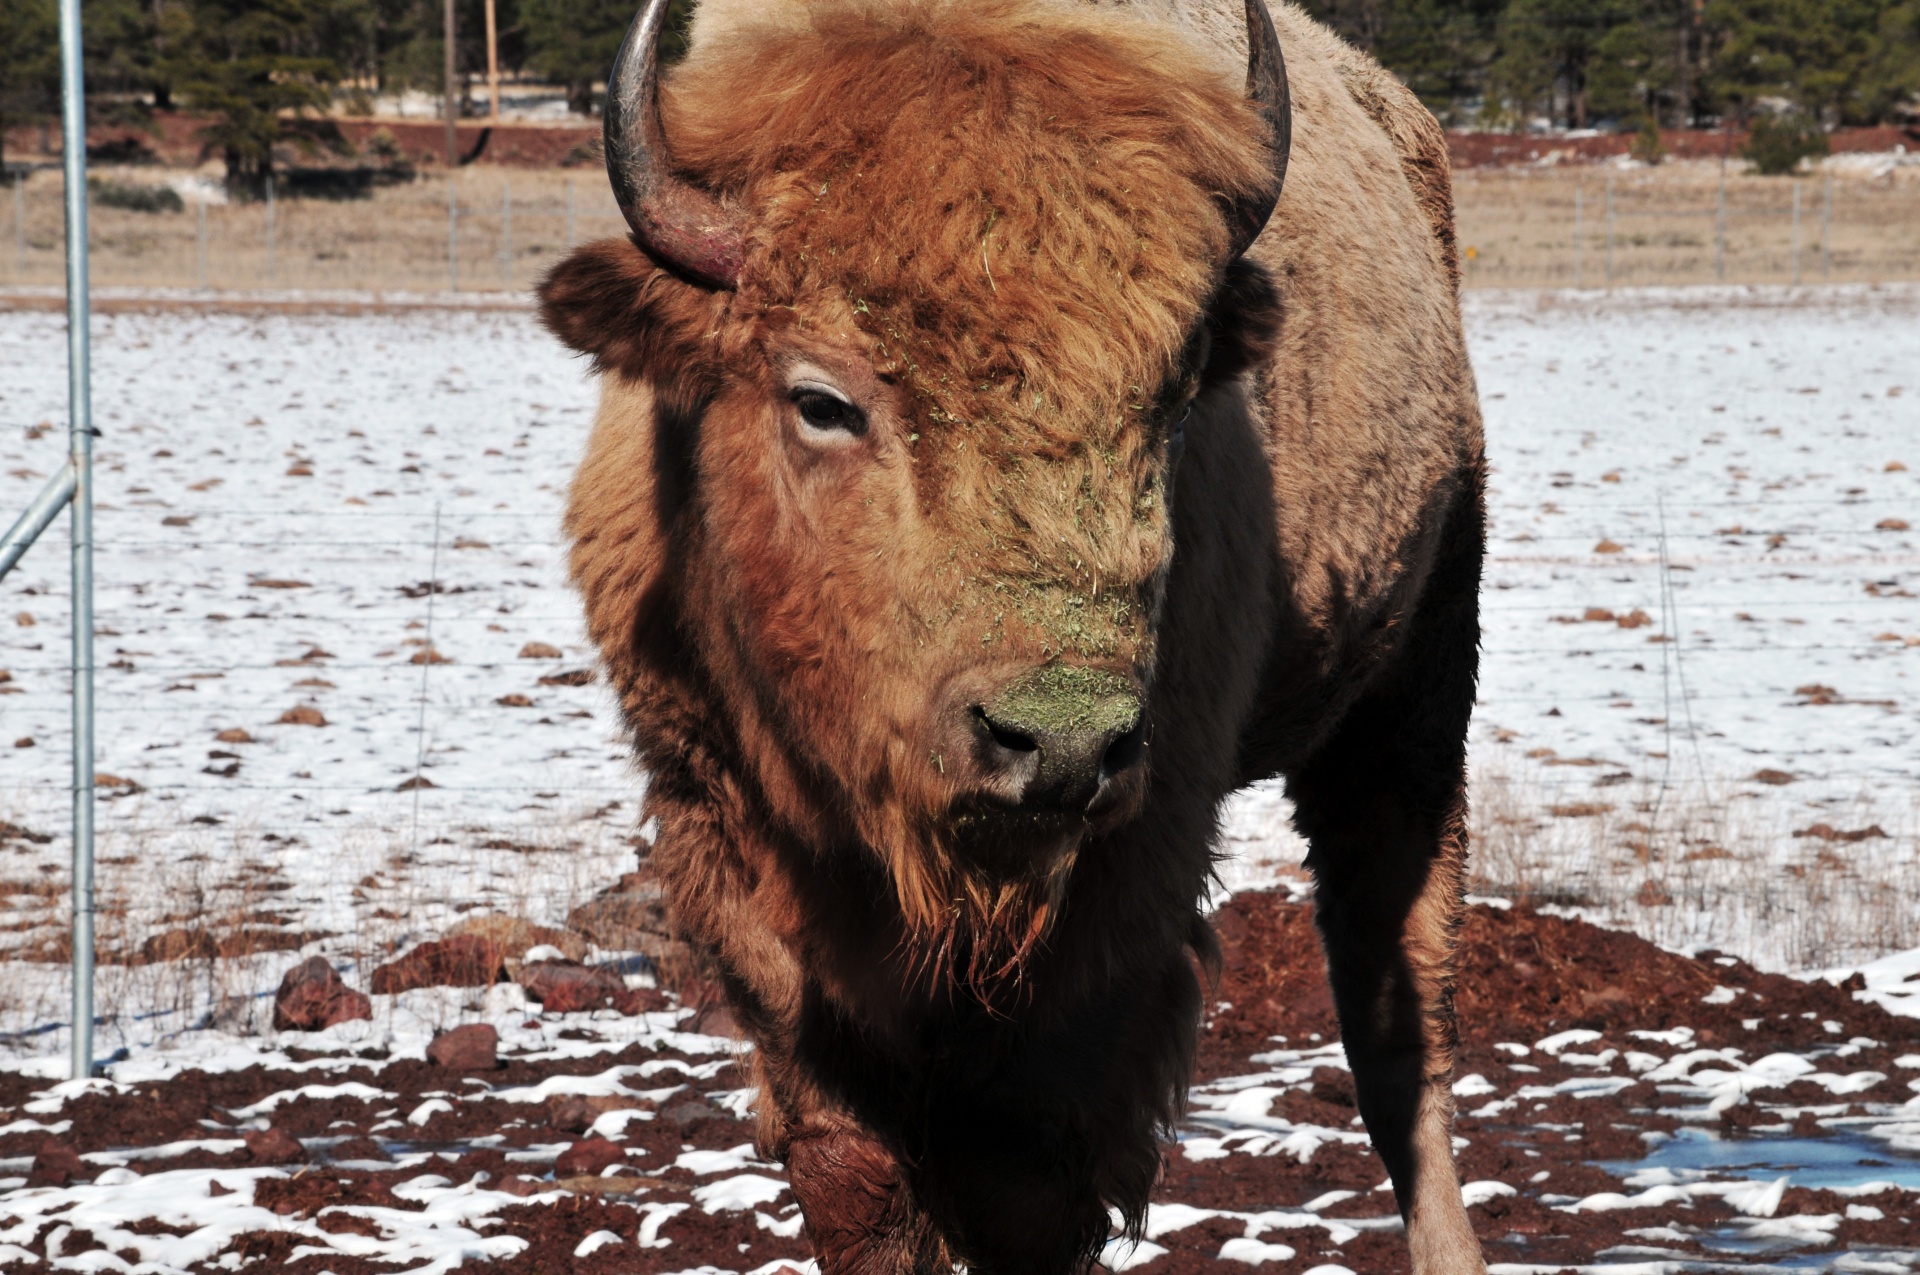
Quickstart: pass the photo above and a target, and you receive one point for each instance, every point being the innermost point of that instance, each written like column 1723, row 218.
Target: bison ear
column 611, row 301
column 1244, row 325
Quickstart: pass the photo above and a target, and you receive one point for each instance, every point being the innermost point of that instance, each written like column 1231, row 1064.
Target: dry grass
column 195, row 926
column 1518, row 223
column 396, row 239
column 1690, row 866
column 1518, row 226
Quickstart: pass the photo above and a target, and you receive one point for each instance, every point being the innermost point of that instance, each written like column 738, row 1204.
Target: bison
column 992, row 473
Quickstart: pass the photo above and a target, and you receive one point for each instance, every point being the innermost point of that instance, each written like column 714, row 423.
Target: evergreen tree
column 29, row 64
column 252, row 64
column 1818, row 55
column 572, row 42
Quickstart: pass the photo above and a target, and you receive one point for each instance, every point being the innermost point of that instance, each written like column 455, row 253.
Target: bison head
column 874, row 525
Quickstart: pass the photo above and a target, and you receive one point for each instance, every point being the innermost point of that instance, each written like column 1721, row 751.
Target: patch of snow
column 595, row 1242
column 1253, row 1252
column 739, row 1193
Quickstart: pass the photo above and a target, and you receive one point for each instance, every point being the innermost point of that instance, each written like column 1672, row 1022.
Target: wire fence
column 346, row 704
column 1603, row 230
column 481, row 231
column 496, row 230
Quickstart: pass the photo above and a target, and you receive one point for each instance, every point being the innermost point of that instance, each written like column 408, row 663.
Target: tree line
column 1625, row 64
column 256, row 66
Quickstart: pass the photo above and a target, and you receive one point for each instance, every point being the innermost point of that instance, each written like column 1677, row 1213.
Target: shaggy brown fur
column 997, row 229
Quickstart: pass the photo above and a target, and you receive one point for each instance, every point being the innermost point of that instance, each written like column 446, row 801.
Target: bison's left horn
column 677, row 222
column 1267, row 86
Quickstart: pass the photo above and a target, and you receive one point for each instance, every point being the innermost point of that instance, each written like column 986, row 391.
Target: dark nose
column 1053, row 738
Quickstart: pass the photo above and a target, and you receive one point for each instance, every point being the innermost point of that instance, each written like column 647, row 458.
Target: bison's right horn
column 1267, row 87
column 677, row 222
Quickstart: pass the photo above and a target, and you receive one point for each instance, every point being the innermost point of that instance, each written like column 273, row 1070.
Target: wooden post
column 451, row 104
column 493, row 66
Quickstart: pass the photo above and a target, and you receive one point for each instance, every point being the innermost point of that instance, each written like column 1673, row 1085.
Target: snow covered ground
column 1730, row 471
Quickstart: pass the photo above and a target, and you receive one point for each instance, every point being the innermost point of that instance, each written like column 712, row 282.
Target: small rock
column 56, row 1164
column 688, row 1110
column 540, row 651
column 313, row 998
column 274, row 1146
column 588, row 1157
column 522, row 1185
column 460, row 960
column 517, row 936
column 302, row 715
column 567, row 987
column 575, row 1113
column 361, row 1148
column 474, row 1047
column 234, row 735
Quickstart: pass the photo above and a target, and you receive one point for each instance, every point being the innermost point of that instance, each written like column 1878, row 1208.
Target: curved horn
column 1267, row 87
column 677, row 222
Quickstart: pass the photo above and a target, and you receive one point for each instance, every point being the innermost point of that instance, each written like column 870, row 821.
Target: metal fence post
column 453, row 234
column 1609, row 232
column 506, row 234
column 569, row 214
column 201, row 271
column 1826, row 233
column 20, row 226
column 1796, row 232
column 270, row 230
column 1578, row 233
column 73, row 126
column 1720, row 233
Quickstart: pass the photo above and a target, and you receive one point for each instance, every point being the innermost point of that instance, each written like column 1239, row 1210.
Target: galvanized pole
column 1796, row 232
column 202, row 271
column 270, row 230
column 1578, row 232
column 453, row 236
column 1720, row 233
column 569, row 214
column 1826, row 233
column 20, row 226
column 506, row 234
column 73, row 128
column 1609, row 232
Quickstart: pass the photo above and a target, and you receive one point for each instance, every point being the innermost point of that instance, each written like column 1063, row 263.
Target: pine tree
column 29, row 64
column 251, row 64
column 572, row 42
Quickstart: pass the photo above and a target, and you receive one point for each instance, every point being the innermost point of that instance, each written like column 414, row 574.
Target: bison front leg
column 861, row 1217
column 1383, row 806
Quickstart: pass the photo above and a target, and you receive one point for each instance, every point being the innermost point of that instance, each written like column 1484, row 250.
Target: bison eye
column 822, row 410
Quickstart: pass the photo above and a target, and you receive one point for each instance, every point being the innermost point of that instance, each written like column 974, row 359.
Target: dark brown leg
column 1383, row 805
column 860, row 1215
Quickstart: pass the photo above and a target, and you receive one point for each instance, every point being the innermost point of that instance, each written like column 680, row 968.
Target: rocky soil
column 602, row 1140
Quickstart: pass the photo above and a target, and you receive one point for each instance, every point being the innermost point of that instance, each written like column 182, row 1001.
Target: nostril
column 1009, row 738
column 1123, row 752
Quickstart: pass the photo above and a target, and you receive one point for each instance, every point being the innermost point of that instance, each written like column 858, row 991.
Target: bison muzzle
column 993, row 472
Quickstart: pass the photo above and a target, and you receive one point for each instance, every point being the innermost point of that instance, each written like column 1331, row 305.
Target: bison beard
column 971, row 509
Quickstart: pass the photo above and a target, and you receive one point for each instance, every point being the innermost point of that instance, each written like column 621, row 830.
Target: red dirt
column 1525, row 976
